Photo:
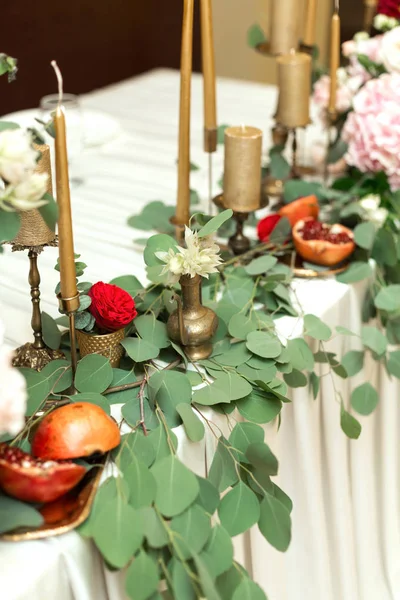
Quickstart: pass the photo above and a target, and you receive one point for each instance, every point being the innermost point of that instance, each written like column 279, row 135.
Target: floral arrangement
column 22, row 189
column 200, row 257
column 388, row 15
column 105, row 308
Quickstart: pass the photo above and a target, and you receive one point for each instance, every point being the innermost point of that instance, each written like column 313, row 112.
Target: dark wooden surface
column 95, row 42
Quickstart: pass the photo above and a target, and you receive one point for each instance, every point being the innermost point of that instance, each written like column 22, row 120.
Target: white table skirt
column 346, row 493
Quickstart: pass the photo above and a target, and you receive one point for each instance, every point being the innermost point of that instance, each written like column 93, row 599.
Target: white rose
column 27, row 194
column 391, row 50
column 370, row 203
column 385, row 23
column 361, row 36
column 373, row 212
column 17, row 156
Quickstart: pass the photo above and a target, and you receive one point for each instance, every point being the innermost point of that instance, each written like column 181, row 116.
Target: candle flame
column 59, row 80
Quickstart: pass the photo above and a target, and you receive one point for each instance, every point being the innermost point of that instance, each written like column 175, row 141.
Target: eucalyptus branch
column 273, row 248
column 137, row 384
column 141, row 404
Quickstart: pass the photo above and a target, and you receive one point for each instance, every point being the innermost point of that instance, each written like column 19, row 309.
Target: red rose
column 266, row 226
column 112, row 307
column 390, row 8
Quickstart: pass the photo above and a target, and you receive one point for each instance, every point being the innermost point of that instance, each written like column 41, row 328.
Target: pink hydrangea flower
column 372, row 130
column 344, row 95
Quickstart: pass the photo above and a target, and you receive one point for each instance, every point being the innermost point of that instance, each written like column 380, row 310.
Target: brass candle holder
column 35, row 355
column 69, row 307
column 238, row 243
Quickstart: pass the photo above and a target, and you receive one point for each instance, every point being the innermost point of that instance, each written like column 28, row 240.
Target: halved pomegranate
column 34, row 480
column 302, row 208
column 322, row 244
column 74, row 430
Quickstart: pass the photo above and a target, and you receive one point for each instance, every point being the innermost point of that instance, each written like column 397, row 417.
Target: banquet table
column 345, row 537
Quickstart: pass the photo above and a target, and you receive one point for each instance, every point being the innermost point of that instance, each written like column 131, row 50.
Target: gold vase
column 108, row 345
column 192, row 324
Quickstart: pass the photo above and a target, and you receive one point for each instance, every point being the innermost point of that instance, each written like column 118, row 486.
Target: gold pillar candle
column 294, row 82
column 284, row 26
column 183, row 197
column 65, row 233
column 311, row 17
column 334, row 61
column 208, row 60
column 242, row 171
column 34, row 231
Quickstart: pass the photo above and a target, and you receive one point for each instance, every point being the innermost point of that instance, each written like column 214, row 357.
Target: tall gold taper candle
column 334, row 58
column 242, row 171
column 294, row 82
column 183, row 198
column 284, row 26
column 65, row 234
column 370, row 7
column 311, row 17
column 208, row 59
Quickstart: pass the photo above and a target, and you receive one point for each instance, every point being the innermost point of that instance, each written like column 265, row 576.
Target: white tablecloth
column 346, row 493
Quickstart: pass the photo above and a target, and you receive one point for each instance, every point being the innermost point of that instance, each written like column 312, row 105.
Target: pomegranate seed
column 314, row 230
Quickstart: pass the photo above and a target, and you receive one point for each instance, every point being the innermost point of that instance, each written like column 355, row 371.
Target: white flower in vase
column 17, row 155
column 26, row 195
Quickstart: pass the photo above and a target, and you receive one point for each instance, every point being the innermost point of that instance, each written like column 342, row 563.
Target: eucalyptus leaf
column 295, row 379
column 215, row 223
column 192, row 529
column 248, row 590
column 364, row 235
column 350, row 426
column 218, row 551
column 263, row 344
column 93, row 398
column 9, row 225
column 141, row 483
column 135, row 445
column 129, row 283
column 164, row 442
column 194, row 428
column 14, row 514
column 38, row 388
column 140, row 350
column 242, row 436
column 316, row 329
column 117, row 532
column 300, row 355
column 241, row 325
column 51, row 333
column 261, row 265
column 239, row 509
column 261, row 457
column 223, row 471
column 374, row 339
column 93, row 374
column 177, row 486
column 182, row 583
column 155, row 530
column 388, row 298
column 357, row 271
column 364, row 399
column 208, row 496
column 153, row 331
column 255, row 36
column 393, row 364
column 353, row 362
column 131, row 413
column 275, row 523
column 141, row 577
column 259, row 408
column 121, row 377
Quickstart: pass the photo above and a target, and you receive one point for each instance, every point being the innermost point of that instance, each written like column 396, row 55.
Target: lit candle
column 208, row 59
column 284, row 26
column 65, row 234
column 311, row 16
column 33, row 230
column 183, row 198
column 242, row 171
column 294, row 82
column 335, row 58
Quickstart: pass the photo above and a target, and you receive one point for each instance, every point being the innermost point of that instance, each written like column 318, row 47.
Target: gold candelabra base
column 32, row 357
column 238, row 243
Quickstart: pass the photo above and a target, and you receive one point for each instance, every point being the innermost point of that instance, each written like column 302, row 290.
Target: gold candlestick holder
column 210, row 147
column 35, row 355
column 238, row 243
column 69, row 307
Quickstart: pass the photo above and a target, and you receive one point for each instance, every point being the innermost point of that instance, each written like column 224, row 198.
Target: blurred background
column 99, row 42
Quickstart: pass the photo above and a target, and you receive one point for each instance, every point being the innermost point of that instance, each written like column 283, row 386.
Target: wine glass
column 74, row 126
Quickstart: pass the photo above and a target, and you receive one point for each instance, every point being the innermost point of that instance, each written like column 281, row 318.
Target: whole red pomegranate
column 75, row 430
column 34, row 480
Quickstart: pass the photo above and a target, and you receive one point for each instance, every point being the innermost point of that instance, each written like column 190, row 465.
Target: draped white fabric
column 346, row 493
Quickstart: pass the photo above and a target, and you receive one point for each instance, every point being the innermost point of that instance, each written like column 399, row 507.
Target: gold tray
column 306, row 272
column 66, row 513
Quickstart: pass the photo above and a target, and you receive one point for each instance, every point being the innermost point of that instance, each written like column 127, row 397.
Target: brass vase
column 192, row 324
column 108, row 345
